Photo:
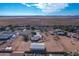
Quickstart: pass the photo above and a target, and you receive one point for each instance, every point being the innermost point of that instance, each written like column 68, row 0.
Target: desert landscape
column 18, row 36
column 40, row 20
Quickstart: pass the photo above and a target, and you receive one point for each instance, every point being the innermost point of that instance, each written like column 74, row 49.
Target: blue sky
column 35, row 9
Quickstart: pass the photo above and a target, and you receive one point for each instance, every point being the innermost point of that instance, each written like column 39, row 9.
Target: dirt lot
column 61, row 44
column 52, row 43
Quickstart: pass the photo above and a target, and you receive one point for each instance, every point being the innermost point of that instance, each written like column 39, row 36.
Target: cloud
column 51, row 7
column 48, row 8
column 28, row 5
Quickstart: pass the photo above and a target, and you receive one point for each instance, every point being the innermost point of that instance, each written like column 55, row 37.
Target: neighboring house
column 7, row 35
column 77, row 30
column 73, row 35
column 36, row 36
column 59, row 32
column 76, row 36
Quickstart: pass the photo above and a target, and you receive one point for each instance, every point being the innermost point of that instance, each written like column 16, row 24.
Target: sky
column 39, row 9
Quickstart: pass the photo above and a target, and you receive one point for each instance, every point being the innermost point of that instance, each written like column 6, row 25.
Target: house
column 77, row 30
column 36, row 36
column 7, row 35
column 59, row 32
column 73, row 35
column 76, row 36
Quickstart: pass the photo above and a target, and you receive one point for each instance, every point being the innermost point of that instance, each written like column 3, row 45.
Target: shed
column 38, row 47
